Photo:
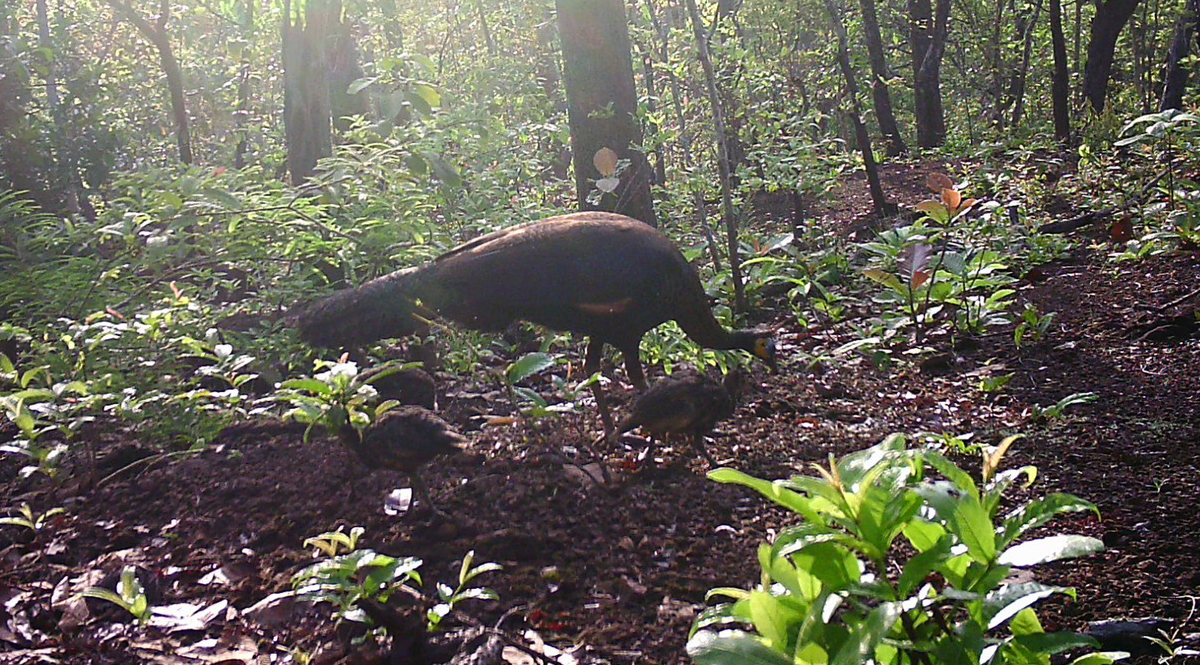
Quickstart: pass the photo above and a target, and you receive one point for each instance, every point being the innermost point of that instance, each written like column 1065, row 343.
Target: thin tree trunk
column 1060, row 88
column 882, row 205
column 1021, row 75
column 242, row 114
column 879, row 78
column 660, row 166
column 1110, row 20
column 157, row 35
column 602, row 104
column 1175, row 77
column 723, row 167
column 483, row 25
column 685, row 138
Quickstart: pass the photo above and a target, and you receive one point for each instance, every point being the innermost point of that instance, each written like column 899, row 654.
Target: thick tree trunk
column 1060, row 88
column 341, row 54
column 882, row 205
column 1111, row 17
column 927, row 37
column 156, row 34
column 306, row 110
column 723, row 163
column 1176, row 75
column 602, row 104
column 879, row 78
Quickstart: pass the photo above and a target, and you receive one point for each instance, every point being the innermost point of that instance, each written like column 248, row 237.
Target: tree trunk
column 1017, row 89
column 306, row 111
column 1111, row 17
column 723, row 165
column 1060, row 88
column 602, row 104
column 487, row 30
column 156, row 34
column 879, row 78
column 242, row 114
column 660, row 165
column 882, row 205
column 1176, row 75
column 927, row 37
column 341, row 56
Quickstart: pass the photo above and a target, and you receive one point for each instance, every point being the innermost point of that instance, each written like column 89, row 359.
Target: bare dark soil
column 619, row 575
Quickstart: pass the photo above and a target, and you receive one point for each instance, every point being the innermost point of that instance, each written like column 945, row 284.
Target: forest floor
column 618, row 575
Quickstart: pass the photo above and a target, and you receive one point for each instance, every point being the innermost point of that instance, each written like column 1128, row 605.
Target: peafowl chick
column 404, row 439
column 687, row 402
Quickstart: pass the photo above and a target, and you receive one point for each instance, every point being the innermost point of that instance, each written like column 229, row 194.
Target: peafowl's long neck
column 376, row 310
column 696, row 319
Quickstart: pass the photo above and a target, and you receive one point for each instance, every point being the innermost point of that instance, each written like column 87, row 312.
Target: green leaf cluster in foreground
column 901, row 558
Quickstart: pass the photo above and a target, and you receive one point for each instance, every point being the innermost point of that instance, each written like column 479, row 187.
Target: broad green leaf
column 923, row 535
column 920, row 566
column 1052, row 643
column 1051, row 548
column 1005, row 602
column 428, row 93
column 811, row 654
column 1101, row 658
column 935, row 210
column 311, row 385
column 885, row 278
column 1026, row 623
column 443, row 170
column 866, row 635
column 1038, row 512
column 973, row 527
column 732, row 647
column 775, row 491
column 358, row 85
column 528, row 365
column 418, row 102
column 770, row 619
column 835, row 566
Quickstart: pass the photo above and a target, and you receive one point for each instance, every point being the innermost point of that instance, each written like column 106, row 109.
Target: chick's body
column 404, row 439
column 688, row 402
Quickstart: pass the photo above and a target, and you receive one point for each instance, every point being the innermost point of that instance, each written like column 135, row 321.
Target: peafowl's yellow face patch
column 764, row 348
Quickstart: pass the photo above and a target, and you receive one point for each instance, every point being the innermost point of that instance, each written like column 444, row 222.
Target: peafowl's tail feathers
column 379, row 309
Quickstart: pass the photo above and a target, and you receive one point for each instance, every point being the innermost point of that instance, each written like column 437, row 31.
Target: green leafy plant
column 451, row 596
column 995, row 384
column 892, row 565
column 335, row 397
column 332, row 543
column 129, row 596
column 346, row 580
column 1056, row 410
column 1033, row 325
column 28, row 519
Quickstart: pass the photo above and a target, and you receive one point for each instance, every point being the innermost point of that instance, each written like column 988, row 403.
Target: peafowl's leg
column 698, row 444
column 421, row 490
column 633, row 365
column 650, row 452
column 591, row 365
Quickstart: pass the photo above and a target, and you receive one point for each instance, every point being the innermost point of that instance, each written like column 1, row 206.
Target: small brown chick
column 687, row 402
column 404, row 439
